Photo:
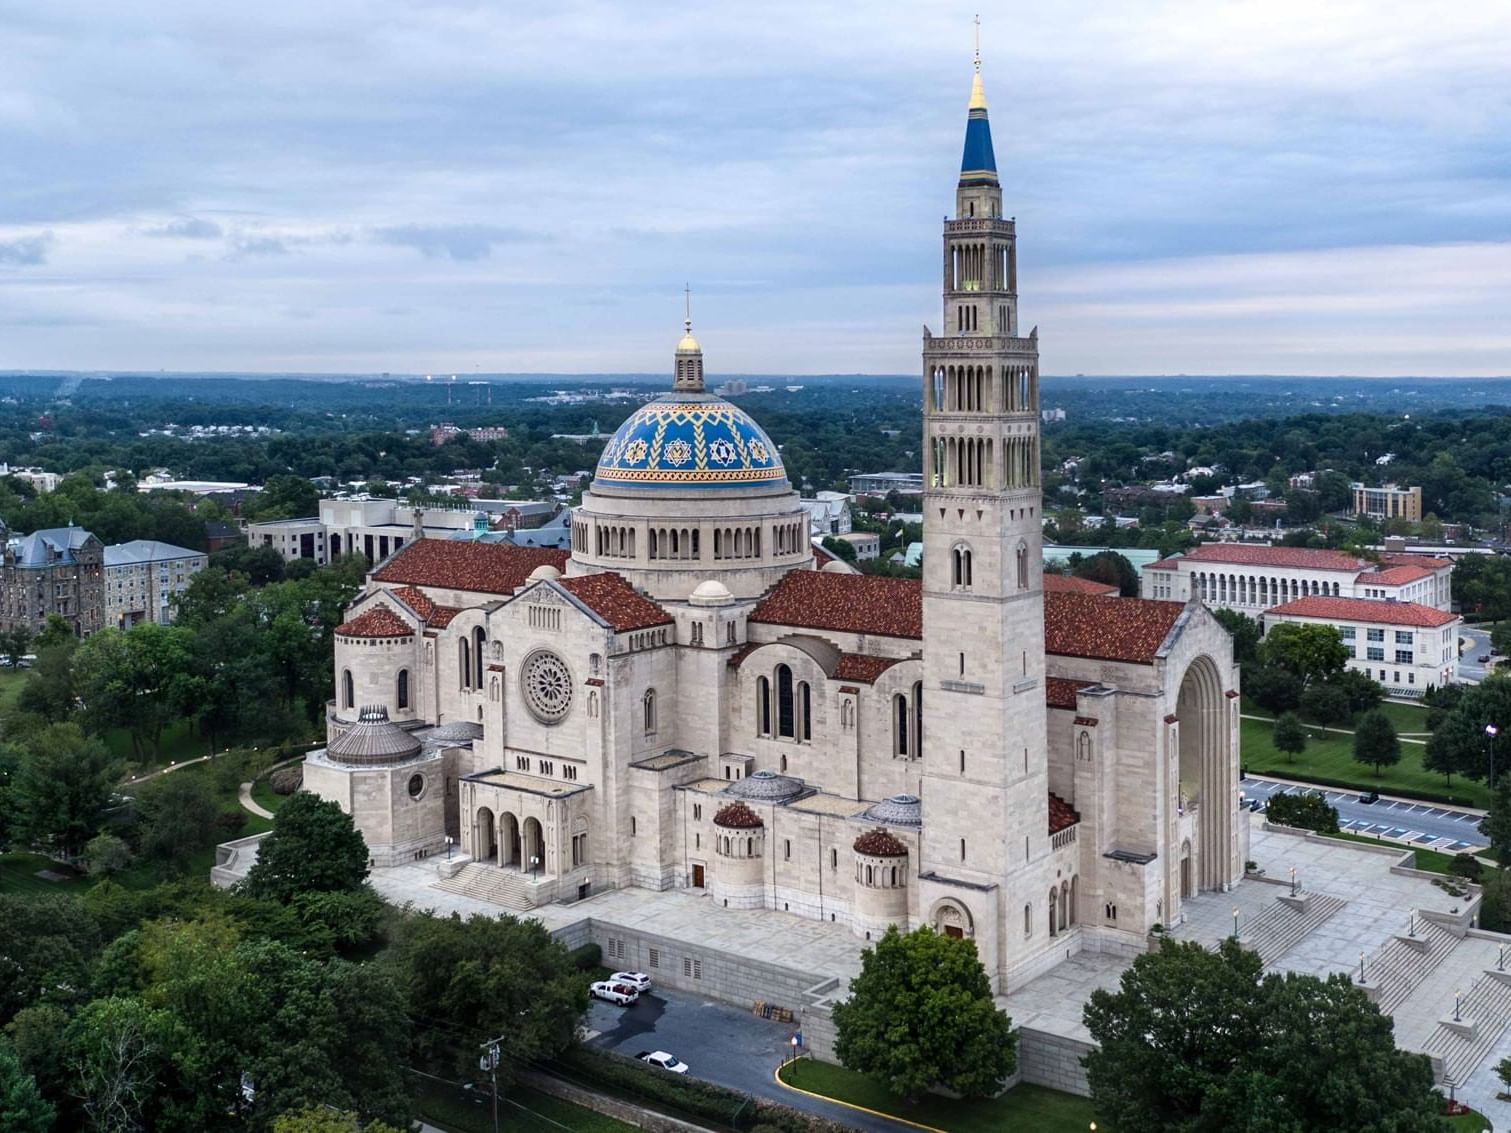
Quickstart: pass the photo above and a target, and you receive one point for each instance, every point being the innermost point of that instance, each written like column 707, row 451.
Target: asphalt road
column 1420, row 824
column 719, row 1043
column 1470, row 668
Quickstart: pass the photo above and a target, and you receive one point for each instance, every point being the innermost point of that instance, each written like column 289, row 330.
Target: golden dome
column 689, row 344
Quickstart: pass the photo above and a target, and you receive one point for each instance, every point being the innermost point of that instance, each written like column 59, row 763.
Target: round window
column 416, row 786
column 547, row 684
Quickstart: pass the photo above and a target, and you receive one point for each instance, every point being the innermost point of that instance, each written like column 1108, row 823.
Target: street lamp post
column 1293, row 881
column 450, row 841
column 1491, row 731
column 1235, row 922
column 534, row 866
column 490, row 1058
column 1457, row 1002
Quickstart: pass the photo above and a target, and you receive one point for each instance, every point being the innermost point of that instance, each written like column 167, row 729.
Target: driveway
column 720, row 1044
column 1477, row 645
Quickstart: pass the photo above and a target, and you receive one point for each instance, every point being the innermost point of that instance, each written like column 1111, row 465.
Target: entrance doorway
column 954, row 930
column 697, row 877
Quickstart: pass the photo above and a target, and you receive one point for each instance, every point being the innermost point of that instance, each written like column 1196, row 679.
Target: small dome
column 836, row 566
column 898, row 810
column 689, row 345
column 880, row 844
column 711, row 593
column 544, row 573
column 458, row 731
column 373, row 741
column 766, row 786
column 738, row 816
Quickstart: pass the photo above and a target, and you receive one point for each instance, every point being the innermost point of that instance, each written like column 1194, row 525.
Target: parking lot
column 1418, row 824
column 719, row 1043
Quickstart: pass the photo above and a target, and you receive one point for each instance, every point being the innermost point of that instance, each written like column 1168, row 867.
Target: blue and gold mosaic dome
column 682, row 441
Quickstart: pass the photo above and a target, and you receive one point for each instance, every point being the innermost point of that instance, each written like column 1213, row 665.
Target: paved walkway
column 251, row 804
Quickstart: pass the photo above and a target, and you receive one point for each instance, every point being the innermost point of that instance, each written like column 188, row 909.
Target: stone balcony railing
column 1062, row 838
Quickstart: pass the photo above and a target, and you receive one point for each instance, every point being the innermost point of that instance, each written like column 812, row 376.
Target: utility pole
column 491, row 1058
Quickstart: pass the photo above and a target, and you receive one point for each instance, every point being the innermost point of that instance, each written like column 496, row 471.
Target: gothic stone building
column 688, row 699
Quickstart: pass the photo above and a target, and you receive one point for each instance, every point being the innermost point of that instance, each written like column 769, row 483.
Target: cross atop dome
column 689, row 361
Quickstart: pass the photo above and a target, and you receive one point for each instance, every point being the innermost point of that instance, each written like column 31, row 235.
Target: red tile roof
column 1121, row 629
column 1430, row 562
column 1163, row 564
column 614, row 600
column 1068, row 584
column 862, row 667
column 440, row 616
column 378, row 620
column 1394, row 575
column 821, row 557
column 1250, row 554
column 484, row 568
column 416, row 600
column 845, row 603
column 1060, row 692
column 1061, row 814
column 880, row 844
column 739, row 816
column 1365, row 610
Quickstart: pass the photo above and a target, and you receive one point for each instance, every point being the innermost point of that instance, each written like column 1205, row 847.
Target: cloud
column 187, row 228
column 457, row 241
column 26, row 250
column 256, row 246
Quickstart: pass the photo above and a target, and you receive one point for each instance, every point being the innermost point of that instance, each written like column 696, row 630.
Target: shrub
column 1306, row 811
column 1466, row 865
column 287, row 780
column 587, row 958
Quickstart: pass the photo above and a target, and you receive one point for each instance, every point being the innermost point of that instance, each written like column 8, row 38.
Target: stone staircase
column 1404, row 962
column 1280, row 927
column 1484, row 1012
column 505, row 887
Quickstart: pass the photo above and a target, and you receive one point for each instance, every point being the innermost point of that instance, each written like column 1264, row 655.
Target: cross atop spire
column 978, row 165
column 687, row 297
column 689, row 360
column 978, row 43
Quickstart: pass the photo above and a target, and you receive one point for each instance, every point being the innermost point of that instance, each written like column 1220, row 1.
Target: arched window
column 900, row 727
column 782, row 763
column 917, row 707
column 784, row 707
column 805, row 711
column 348, row 690
column 870, row 876
column 1022, row 566
column 648, row 708
column 479, row 637
column 763, row 705
column 960, row 567
column 464, row 662
column 1028, row 920
column 401, row 696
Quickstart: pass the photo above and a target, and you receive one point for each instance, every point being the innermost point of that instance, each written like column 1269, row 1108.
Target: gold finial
column 978, row 92
column 687, row 298
column 978, row 42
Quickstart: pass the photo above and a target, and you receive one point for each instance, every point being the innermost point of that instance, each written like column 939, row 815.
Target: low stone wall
column 234, row 859
column 1046, row 1059
column 620, row 1110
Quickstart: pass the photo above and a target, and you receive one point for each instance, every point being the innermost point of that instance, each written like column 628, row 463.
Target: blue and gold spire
column 978, row 164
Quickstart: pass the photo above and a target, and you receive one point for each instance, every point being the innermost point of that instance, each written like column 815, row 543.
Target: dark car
column 1484, row 658
column 1369, row 797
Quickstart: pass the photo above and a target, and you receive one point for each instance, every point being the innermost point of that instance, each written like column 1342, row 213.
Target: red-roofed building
column 454, row 566
column 1405, row 646
column 1069, row 584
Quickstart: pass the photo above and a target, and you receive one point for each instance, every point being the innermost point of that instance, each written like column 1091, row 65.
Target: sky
column 1200, row 186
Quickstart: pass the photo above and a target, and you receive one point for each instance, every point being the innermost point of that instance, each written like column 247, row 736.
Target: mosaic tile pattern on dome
column 690, row 444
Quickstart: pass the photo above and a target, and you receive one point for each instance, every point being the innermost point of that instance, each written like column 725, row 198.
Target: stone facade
column 683, row 701
column 58, row 571
column 143, row 576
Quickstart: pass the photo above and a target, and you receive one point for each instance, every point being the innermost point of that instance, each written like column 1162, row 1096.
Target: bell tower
column 984, row 777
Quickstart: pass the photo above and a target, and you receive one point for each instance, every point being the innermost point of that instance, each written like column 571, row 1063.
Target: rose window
column 547, row 685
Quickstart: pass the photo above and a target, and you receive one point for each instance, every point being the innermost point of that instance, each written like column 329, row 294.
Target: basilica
column 696, row 697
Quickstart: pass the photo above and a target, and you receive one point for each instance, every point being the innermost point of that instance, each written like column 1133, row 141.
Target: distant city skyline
column 1203, row 189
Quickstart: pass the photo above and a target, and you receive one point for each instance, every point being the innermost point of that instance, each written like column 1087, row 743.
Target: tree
column 1305, row 810
column 1289, row 735
column 49, row 689
column 106, row 854
column 284, row 497
column 55, row 631
column 1500, row 638
column 139, row 679
column 1110, row 569
column 1360, row 691
column 47, row 944
column 1197, row 1040
column 179, row 815
column 62, row 789
column 23, row 1109
column 1496, row 825
column 14, row 643
column 1245, row 633
column 1308, row 652
column 1326, row 703
column 921, row 1015
column 1375, row 741
column 1459, row 743
column 313, row 847
column 485, row 977
column 322, row 1119
column 1272, row 688
column 120, row 1054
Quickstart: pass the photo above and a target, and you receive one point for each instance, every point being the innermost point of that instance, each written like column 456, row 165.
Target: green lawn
column 264, row 795
column 1407, row 718
column 18, row 874
column 1430, row 861
column 1470, row 1122
column 1022, row 1107
column 1331, row 756
column 519, row 1108
column 11, row 681
column 180, row 742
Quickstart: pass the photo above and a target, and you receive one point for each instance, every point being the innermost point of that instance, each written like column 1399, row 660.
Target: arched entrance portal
column 1205, row 763
column 951, row 919
column 484, row 836
column 508, row 840
column 534, row 847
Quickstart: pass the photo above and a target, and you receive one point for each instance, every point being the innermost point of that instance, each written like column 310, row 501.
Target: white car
column 637, row 980
column 664, row 1060
column 622, row 994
